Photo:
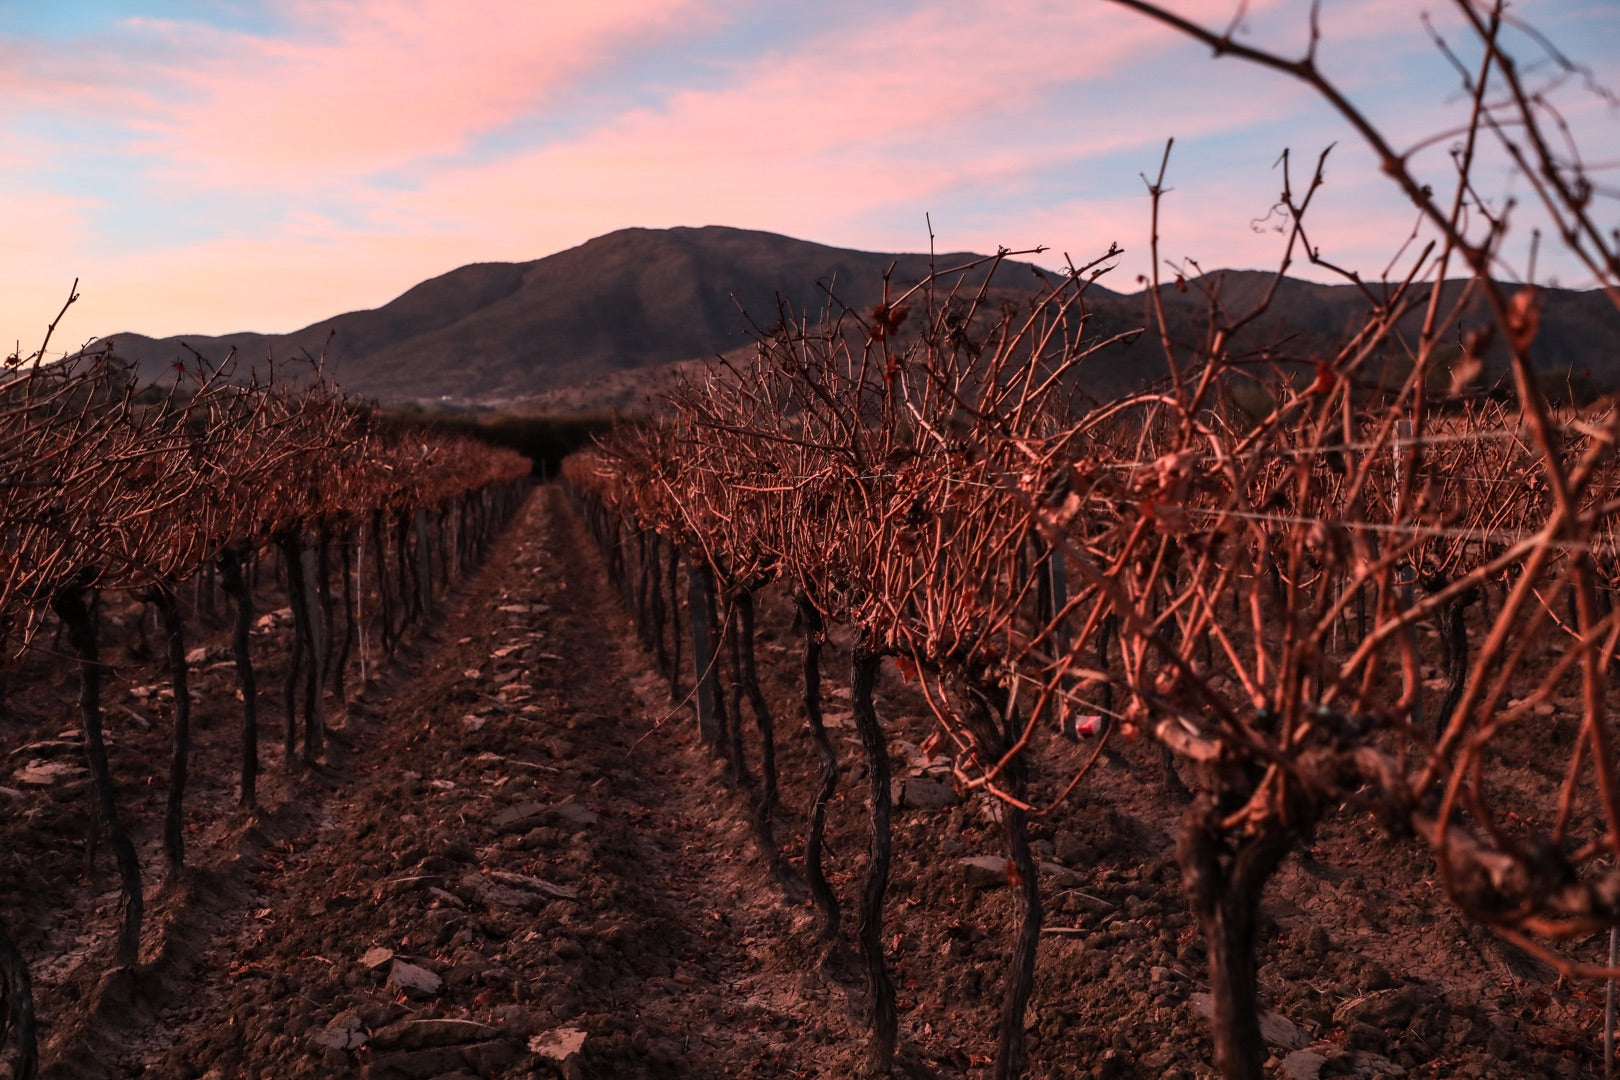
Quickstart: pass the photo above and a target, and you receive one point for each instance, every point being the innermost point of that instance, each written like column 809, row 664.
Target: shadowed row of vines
column 1255, row 589
column 110, row 489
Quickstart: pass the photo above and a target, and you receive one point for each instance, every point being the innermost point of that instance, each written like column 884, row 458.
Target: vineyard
column 124, row 506
column 916, row 712
column 1331, row 610
column 1386, row 590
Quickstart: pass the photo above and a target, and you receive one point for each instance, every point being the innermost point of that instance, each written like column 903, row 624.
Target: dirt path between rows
column 515, row 861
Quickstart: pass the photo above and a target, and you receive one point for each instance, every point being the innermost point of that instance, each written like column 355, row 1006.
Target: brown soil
column 515, row 811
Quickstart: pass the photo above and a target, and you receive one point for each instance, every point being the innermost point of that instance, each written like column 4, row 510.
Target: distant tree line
column 544, row 440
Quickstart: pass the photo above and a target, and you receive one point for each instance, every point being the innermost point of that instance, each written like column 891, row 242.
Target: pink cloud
column 375, row 84
column 783, row 142
column 809, row 139
column 845, row 136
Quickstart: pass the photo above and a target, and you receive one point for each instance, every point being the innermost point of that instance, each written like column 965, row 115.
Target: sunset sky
column 207, row 167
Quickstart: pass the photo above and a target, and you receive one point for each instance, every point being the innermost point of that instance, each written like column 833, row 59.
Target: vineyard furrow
column 664, row 938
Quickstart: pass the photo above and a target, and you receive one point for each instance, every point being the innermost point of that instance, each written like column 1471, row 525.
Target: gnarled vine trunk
column 72, row 606
column 236, row 586
column 820, row 891
column 174, row 629
column 17, row 1024
column 1224, row 876
column 880, row 1008
column 995, row 728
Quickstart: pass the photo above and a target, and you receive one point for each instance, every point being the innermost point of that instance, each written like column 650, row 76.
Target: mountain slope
column 642, row 299
column 630, row 299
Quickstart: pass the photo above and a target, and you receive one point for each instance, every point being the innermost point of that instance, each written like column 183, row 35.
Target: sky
column 208, row 166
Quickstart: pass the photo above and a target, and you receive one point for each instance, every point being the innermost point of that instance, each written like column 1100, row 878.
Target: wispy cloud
column 296, row 158
column 374, row 85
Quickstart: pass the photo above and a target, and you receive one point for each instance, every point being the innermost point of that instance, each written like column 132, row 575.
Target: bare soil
column 516, row 861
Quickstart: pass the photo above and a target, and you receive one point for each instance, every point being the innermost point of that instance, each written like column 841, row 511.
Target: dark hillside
column 634, row 298
column 600, row 325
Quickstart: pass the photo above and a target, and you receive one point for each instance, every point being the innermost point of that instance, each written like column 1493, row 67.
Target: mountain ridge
column 494, row 334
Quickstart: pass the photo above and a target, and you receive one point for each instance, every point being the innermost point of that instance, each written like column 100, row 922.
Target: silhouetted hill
column 1579, row 330
column 640, row 300
column 631, row 299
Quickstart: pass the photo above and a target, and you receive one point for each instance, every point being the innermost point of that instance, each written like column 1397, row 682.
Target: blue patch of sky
column 147, row 222
column 144, row 218
column 88, row 157
column 1586, row 33
column 66, row 20
column 156, row 220
column 1079, row 140
column 131, row 204
column 91, row 159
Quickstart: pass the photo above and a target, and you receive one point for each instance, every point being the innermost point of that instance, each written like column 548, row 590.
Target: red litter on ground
column 1076, row 726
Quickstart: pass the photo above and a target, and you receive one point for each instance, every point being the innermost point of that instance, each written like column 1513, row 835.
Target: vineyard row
column 1261, row 594
column 112, row 490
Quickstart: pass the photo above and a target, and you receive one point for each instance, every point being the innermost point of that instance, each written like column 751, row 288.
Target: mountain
column 631, row 299
column 1574, row 351
column 614, row 315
